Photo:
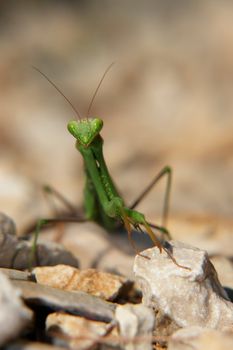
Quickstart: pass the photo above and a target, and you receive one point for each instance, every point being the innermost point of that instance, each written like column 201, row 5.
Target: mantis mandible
column 102, row 201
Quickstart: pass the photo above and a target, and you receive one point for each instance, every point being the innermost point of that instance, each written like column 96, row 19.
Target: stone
column 14, row 315
column 199, row 338
column 14, row 253
column 7, row 225
column 101, row 284
column 75, row 332
column 77, row 303
column 46, row 254
column 136, row 323
column 16, row 274
column 182, row 297
column 8, row 249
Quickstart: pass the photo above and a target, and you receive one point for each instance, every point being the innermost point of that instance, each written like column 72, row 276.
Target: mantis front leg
column 136, row 219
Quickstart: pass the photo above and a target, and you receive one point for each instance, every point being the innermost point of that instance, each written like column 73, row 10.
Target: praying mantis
column 102, row 201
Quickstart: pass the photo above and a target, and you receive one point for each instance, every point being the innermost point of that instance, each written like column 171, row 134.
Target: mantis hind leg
column 51, row 191
column 70, row 214
column 167, row 170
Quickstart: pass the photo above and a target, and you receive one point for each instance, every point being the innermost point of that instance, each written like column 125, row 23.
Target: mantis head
column 85, row 130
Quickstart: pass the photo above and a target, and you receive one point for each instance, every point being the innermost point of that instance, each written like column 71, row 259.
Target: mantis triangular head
column 85, row 130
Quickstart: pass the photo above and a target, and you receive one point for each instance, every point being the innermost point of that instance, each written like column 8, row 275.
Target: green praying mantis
column 102, row 201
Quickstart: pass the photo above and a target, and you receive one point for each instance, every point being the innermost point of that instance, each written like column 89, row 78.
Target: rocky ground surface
column 166, row 101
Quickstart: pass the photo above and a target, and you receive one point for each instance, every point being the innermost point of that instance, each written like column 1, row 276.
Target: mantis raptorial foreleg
column 136, row 219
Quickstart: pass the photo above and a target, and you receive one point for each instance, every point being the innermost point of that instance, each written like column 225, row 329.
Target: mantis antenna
column 97, row 89
column 60, row 92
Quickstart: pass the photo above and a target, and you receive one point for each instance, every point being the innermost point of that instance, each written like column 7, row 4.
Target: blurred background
column 167, row 100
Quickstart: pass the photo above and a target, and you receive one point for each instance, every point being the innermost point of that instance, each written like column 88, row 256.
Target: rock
column 201, row 338
column 102, row 284
column 8, row 249
column 77, row 303
column 75, row 332
column 182, row 297
column 136, row 323
column 16, row 274
column 14, row 316
column 7, row 225
column 52, row 254
column 14, row 253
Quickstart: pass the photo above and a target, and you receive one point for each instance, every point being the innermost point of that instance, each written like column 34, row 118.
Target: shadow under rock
column 229, row 292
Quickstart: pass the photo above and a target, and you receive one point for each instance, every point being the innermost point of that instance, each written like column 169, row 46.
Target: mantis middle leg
column 72, row 216
column 167, row 170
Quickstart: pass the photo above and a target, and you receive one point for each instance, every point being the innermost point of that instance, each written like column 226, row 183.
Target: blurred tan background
column 167, row 100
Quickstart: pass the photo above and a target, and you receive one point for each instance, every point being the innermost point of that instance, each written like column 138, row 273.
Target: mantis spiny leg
column 127, row 225
column 161, row 247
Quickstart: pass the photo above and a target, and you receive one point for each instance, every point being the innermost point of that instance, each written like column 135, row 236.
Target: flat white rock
column 182, row 297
